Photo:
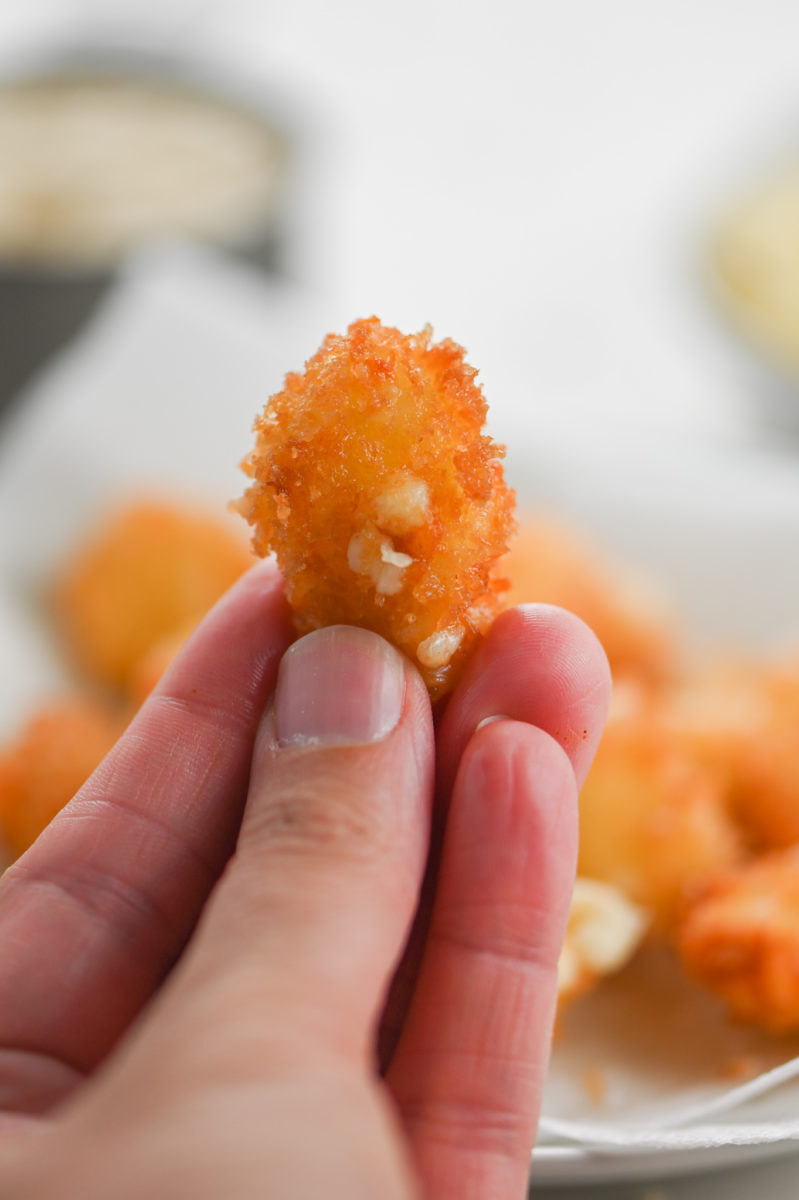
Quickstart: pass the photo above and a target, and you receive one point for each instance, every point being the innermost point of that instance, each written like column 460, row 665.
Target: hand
column 191, row 986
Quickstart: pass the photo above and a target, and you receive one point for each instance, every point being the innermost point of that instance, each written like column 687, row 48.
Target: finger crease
column 122, row 908
column 478, row 1128
column 536, row 955
column 86, row 805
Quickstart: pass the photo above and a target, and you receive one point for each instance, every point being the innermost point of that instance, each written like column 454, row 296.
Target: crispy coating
column 653, row 820
column 150, row 569
column 382, row 498
column 549, row 563
column 50, row 759
column 742, row 720
column 741, row 939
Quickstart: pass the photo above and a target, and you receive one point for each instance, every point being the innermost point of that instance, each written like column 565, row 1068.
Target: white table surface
column 534, row 178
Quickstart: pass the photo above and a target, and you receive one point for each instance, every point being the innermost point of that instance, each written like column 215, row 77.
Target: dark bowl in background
column 43, row 305
column 40, row 313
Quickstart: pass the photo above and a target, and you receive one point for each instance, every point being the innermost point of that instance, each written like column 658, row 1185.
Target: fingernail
column 490, row 720
column 338, row 685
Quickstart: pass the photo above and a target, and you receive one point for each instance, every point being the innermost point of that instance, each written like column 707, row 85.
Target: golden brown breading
column 742, row 720
column 381, row 496
column 741, row 939
column 150, row 569
column 549, row 563
column 653, row 821
column 50, row 759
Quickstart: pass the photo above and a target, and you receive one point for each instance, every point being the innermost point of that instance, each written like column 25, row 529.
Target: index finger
column 95, row 913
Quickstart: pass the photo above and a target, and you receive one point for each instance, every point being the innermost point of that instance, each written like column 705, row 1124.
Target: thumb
column 319, row 897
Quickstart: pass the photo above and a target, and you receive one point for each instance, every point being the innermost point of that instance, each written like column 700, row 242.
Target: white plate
column 568, row 1165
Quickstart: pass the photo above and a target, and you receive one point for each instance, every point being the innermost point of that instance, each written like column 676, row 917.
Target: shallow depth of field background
column 534, row 179
column 539, row 181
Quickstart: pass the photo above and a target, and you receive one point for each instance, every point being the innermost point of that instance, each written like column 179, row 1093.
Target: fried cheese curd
column 51, row 757
column 382, row 498
column 150, row 569
column 653, row 820
column 548, row 562
column 740, row 938
column 741, row 719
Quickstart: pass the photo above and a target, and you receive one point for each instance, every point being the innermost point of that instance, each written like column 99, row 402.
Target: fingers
column 471, row 1052
column 469, row 1067
column 538, row 664
column 95, row 913
column 310, row 919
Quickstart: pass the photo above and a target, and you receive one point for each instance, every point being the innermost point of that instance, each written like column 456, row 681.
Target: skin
column 196, row 957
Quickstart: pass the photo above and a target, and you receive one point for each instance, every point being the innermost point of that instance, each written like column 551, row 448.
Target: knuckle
column 477, row 1129
column 123, row 909
column 515, row 937
column 323, row 818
